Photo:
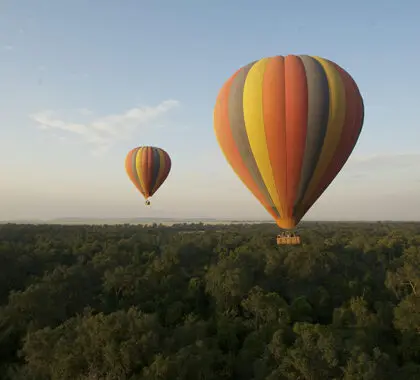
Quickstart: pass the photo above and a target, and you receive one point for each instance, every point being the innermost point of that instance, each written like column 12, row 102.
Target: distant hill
column 171, row 221
column 165, row 221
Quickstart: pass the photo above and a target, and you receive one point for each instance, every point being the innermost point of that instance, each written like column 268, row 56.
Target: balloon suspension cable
column 288, row 233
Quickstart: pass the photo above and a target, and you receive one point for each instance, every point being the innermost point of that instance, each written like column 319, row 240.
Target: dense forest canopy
column 195, row 301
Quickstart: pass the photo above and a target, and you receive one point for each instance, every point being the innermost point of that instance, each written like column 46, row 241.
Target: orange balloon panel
column 147, row 167
column 287, row 125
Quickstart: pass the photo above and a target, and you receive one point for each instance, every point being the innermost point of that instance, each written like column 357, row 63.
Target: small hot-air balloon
column 147, row 167
column 286, row 126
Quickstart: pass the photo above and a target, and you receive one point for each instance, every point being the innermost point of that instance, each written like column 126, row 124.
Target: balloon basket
column 288, row 238
column 147, row 203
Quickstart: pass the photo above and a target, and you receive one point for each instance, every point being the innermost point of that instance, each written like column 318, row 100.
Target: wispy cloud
column 395, row 158
column 85, row 111
column 102, row 132
column 391, row 165
column 7, row 47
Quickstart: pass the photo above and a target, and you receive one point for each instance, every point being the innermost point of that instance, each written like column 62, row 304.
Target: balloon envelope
column 147, row 167
column 287, row 125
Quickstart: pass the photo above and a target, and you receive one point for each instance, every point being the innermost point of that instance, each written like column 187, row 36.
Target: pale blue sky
column 74, row 63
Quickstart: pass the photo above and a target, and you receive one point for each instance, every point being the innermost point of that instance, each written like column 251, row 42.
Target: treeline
column 209, row 302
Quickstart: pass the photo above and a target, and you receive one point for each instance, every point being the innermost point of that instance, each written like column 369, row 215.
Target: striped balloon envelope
column 147, row 167
column 287, row 125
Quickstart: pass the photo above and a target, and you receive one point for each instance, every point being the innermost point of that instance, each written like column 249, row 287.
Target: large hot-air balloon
column 286, row 126
column 147, row 167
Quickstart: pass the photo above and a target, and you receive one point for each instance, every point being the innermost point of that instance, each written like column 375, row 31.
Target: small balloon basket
column 147, row 203
column 288, row 238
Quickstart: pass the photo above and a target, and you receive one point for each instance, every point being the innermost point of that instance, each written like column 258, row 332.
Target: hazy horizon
column 79, row 98
column 95, row 220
